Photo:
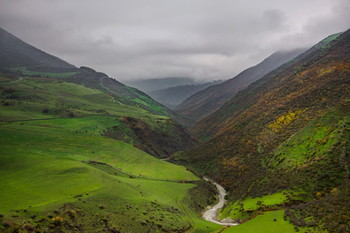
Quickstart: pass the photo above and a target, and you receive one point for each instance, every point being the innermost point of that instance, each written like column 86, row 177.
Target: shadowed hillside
column 212, row 98
column 284, row 141
column 16, row 53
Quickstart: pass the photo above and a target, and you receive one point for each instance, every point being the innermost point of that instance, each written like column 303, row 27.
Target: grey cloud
column 274, row 19
column 204, row 39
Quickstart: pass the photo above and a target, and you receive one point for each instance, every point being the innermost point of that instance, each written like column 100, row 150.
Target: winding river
column 211, row 213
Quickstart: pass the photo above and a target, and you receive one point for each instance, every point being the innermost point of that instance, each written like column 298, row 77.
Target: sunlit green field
column 243, row 209
column 51, row 163
column 42, row 167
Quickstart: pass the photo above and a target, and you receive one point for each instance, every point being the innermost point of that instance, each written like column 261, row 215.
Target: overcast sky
column 203, row 39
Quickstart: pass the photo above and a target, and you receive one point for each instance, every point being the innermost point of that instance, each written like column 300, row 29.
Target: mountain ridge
column 210, row 99
column 17, row 53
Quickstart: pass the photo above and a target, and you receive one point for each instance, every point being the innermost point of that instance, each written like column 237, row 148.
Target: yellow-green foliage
column 317, row 140
column 247, row 208
column 284, row 120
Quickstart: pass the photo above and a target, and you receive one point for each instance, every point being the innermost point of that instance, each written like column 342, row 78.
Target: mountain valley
column 82, row 152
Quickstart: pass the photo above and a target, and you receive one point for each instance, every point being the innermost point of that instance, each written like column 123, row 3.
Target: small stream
column 211, row 213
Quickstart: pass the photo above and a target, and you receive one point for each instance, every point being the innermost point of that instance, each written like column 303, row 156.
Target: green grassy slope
column 45, row 172
column 311, row 160
column 28, row 98
column 124, row 94
column 249, row 207
column 61, row 170
column 116, row 153
column 31, row 96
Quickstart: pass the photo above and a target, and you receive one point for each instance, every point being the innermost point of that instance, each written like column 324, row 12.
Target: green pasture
column 268, row 222
column 29, row 97
column 43, row 166
column 244, row 209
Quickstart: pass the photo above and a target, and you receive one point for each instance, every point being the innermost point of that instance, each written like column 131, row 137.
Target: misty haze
column 194, row 116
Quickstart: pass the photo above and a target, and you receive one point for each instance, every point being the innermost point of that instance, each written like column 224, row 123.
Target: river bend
column 211, row 213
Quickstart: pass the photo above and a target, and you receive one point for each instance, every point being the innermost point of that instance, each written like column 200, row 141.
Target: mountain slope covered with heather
column 283, row 142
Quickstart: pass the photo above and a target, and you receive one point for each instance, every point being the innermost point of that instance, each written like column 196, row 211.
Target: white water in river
column 211, row 213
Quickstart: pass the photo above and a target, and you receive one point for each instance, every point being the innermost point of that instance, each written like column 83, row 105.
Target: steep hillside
column 284, row 142
column 19, row 58
column 212, row 124
column 173, row 96
column 16, row 53
column 212, row 98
